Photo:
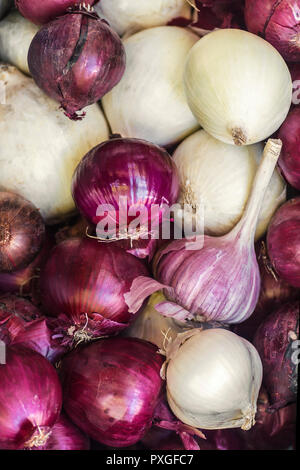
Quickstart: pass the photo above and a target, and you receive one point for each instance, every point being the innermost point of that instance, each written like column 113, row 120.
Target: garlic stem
column 247, row 225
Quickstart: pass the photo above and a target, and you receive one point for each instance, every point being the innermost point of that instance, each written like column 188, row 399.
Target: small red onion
column 111, row 388
column 141, row 173
column 22, row 232
column 21, row 323
column 83, row 284
column 30, row 399
column 216, row 278
column 43, row 11
column 76, row 59
column 289, row 161
column 276, row 342
column 278, row 22
column 273, row 430
column 283, row 242
column 65, row 436
column 273, row 292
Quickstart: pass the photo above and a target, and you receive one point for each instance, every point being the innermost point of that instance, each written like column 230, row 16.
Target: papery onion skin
column 111, row 388
column 140, row 171
column 283, row 242
column 40, row 12
column 92, row 62
column 273, row 430
column 65, row 436
column 218, row 177
column 31, row 398
column 22, row 232
column 89, row 284
column 276, row 342
column 140, row 14
column 278, row 22
column 289, row 161
column 156, row 110
column 213, row 379
column 241, row 57
column 28, row 111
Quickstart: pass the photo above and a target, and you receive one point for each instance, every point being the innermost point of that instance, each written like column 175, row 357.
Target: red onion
column 283, row 242
column 25, row 281
column 83, row 283
column 22, row 232
column 289, row 161
column 219, row 14
column 111, row 388
column 30, row 399
column 273, row 292
column 43, row 11
column 23, row 324
column 216, row 278
column 278, row 22
column 76, row 59
column 65, row 436
column 139, row 172
column 276, row 342
column 273, row 430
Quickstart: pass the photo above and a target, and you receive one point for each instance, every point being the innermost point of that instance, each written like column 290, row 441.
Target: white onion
column 149, row 102
column 16, row 34
column 152, row 326
column 219, row 177
column 40, row 147
column 134, row 15
column 238, row 86
column 213, row 379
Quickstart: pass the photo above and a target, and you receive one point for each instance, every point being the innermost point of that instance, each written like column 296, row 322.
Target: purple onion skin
column 43, row 11
column 76, row 59
column 289, row 160
column 283, row 242
column 111, row 388
column 273, row 430
column 65, row 436
column 229, row 289
column 274, row 341
column 278, row 22
column 30, row 398
column 219, row 14
column 139, row 170
column 84, row 277
column 22, row 232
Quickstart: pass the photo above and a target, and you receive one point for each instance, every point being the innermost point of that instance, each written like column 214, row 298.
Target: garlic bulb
column 213, row 379
column 40, row 147
column 238, row 86
column 149, row 102
column 16, row 34
column 219, row 177
column 135, row 15
column 152, row 326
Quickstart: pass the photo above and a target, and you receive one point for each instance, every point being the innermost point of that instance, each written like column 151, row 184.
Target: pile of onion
column 22, row 232
column 83, row 285
column 92, row 62
column 278, row 22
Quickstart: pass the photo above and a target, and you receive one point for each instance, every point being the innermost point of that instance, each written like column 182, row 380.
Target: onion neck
column 39, row 437
column 246, row 227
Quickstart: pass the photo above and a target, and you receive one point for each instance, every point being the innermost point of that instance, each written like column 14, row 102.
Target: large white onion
column 40, row 147
column 213, row 379
column 238, row 86
column 4, row 6
column 134, row 15
column 149, row 102
column 16, row 34
column 219, row 177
